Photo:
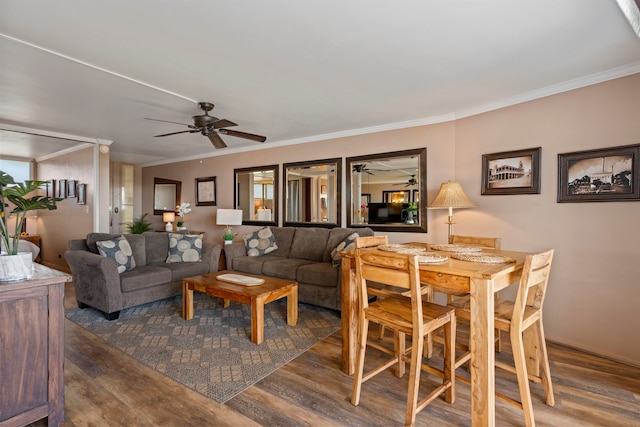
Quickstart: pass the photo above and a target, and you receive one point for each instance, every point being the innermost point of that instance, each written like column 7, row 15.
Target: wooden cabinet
column 32, row 348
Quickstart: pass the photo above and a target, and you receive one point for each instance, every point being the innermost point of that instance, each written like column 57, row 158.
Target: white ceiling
column 293, row 71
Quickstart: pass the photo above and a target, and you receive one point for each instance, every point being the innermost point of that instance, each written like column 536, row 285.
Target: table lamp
column 168, row 217
column 229, row 217
column 451, row 196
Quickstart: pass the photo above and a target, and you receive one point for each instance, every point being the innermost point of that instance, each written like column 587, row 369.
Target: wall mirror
column 256, row 193
column 166, row 195
column 312, row 193
column 387, row 191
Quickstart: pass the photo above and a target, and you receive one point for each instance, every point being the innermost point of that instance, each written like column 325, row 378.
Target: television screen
column 386, row 213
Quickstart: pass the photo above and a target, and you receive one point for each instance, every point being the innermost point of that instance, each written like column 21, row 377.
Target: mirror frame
column 178, row 185
column 422, row 188
column 337, row 163
column 276, row 186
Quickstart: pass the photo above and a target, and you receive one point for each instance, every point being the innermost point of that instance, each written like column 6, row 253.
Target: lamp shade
column 229, row 217
column 451, row 195
column 168, row 216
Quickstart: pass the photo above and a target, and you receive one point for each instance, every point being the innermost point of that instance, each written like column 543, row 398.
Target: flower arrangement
column 182, row 209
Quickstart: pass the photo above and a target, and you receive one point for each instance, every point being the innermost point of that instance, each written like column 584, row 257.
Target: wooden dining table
column 482, row 281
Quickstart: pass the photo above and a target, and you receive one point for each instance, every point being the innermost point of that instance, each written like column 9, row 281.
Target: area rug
column 212, row 353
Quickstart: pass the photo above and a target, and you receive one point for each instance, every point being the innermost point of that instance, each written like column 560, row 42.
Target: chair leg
column 519, row 358
column 417, row 347
column 544, row 364
column 399, row 345
column 359, row 368
column 450, row 359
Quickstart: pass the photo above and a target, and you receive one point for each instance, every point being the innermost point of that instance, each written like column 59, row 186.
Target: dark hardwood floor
column 105, row 387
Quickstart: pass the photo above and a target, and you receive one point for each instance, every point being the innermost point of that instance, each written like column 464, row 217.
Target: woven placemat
column 431, row 258
column 403, row 249
column 487, row 259
column 454, row 247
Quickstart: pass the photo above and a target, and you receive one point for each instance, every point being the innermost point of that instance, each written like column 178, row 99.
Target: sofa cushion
column 337, row 235
column 251, row 264
column 260, row 242
column 180, row 270
column 285, row 268
column 143, row 277
column 119, row 251
column 284, row 238
column 347, row 245
column 309, row 243
column 136, row 241
column 318, row 273
column 185, row 248
column 157, row 247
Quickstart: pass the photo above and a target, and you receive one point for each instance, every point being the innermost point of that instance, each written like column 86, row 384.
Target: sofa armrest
column 96, row 280
column 211, row 256
column 233, row 250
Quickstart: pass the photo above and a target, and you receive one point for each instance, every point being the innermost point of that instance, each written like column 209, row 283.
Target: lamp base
column 168, row 227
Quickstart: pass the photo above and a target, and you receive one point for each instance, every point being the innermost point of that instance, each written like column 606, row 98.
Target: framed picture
column 51, row 188
column 82, row 194
column 511, row 172
column 323, row 189
column 62, row 189
column 365, row 199
column 415, row 196
column 71, row 188
column 393, row 196
column 206, row 191
column 603, row 175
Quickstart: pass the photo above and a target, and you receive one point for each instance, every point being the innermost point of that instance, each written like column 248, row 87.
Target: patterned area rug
column 212, row 353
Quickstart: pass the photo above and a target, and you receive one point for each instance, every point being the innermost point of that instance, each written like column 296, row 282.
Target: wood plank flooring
column 105, row 387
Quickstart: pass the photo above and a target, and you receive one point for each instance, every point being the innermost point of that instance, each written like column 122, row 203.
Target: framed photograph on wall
column 602, row 175
column 51, row 188
column 511, row 172
column 206, row 191
column 71, row 188
column 62, row 189
column 82, row 194
column 396, row 196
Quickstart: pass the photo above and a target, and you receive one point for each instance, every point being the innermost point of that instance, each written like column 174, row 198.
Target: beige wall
column 594, row 289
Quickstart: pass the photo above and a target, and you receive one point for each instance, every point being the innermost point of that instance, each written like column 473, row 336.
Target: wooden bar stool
column 515, row 317
column 405, row 314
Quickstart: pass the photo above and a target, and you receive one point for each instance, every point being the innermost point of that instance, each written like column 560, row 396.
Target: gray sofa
column 98, row 284
column 303, row 255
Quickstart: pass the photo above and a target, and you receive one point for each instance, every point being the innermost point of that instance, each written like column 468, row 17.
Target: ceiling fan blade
column 175, row 133
column 167, row 121
column 216, row 140
column 223, row 123
column 245, row 135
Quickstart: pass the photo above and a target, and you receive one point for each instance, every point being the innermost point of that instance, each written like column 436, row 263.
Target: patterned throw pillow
column 260, row 242
column 185, row 248
column 119, row 251
column 347, row 244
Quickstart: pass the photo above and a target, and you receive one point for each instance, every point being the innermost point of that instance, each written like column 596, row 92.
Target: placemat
column 487, row 259
column 455, row 247
column 431, row 258
column 403, row 249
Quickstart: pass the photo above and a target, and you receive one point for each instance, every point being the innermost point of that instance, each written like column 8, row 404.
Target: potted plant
column 182, row 209
column 228, row 235
column 139, row 225
column 15, row 265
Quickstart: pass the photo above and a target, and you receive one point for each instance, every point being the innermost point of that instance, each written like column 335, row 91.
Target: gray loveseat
column 303, row 255
column 98, row 284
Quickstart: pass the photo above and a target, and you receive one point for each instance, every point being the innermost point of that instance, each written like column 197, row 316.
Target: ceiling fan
column 211, row 127
column 411, row 182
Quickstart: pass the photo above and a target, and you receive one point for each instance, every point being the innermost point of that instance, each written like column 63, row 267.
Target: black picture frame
column 601, row 175
column 206, row 191
column 51, row 188
column 71, row 188
column 387, row 195
column 82, row 194
column 511, row 172
column 61, row 190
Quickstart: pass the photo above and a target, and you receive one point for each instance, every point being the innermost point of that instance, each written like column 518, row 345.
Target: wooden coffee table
column 257, row 295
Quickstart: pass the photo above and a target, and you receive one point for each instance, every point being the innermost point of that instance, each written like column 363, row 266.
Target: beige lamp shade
column 229, row 217
column 451, row 195
column 168, row 216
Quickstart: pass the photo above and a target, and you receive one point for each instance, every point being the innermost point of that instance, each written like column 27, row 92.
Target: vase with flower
column 182, row 209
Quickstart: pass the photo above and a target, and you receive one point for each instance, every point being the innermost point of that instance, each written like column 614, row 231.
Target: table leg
column 187, row 301
column 482, row 353
column 349, row 316
column 257, row 320
column 292, row 307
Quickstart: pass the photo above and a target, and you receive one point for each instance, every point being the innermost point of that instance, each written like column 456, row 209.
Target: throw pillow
column 260, row 242
column 348, row 244
column 184, row 248
column 119, row 251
